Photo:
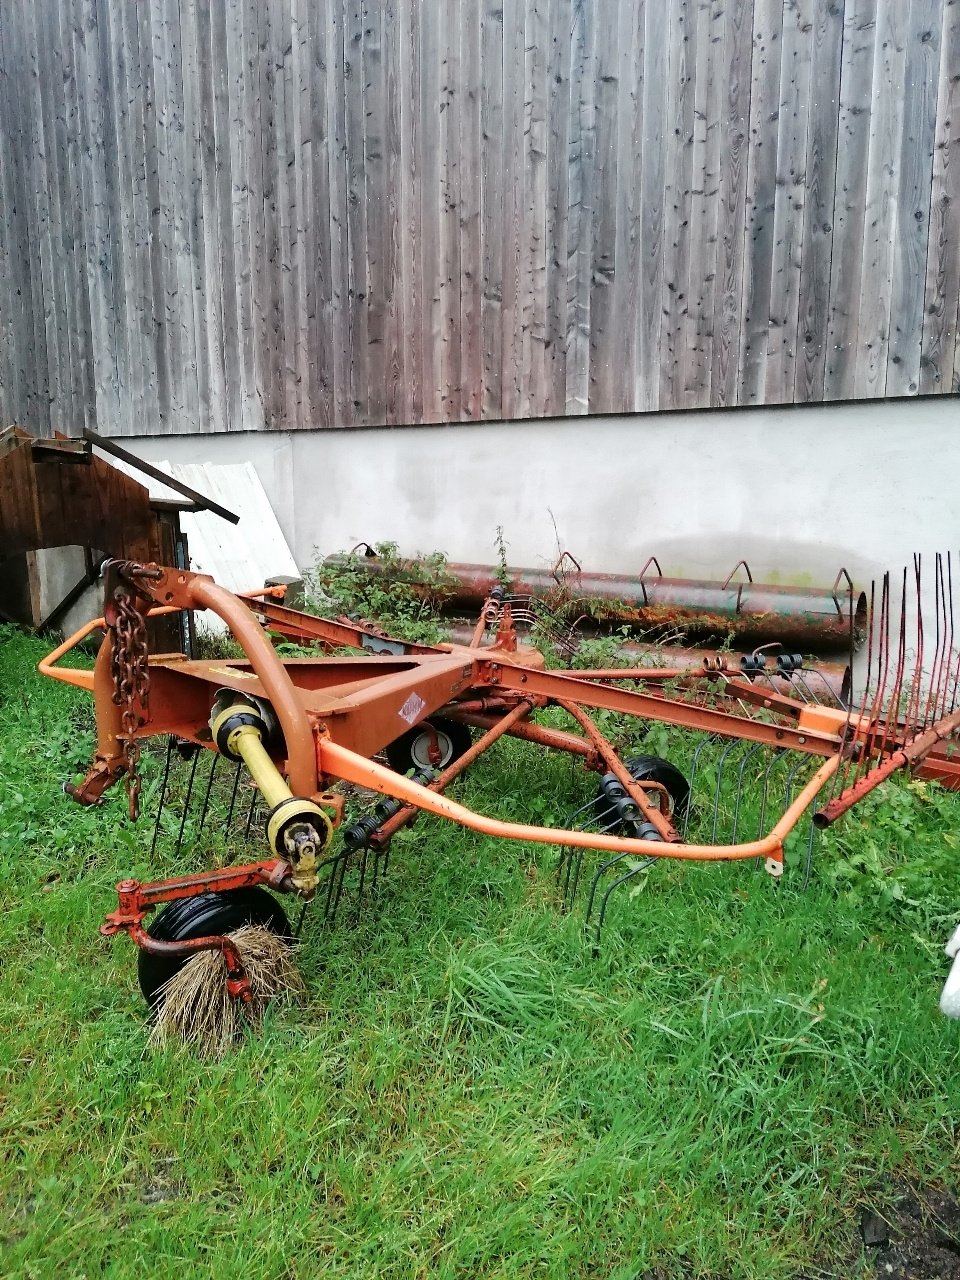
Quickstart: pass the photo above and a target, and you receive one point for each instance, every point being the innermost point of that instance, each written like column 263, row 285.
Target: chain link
column 131, row 681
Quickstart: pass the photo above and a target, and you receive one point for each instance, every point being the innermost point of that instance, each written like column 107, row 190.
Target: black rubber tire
column 650, row 769
column 409, row 751
column 209, row 913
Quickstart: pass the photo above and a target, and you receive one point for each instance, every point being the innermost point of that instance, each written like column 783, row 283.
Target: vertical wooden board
column 344, row 413
column 913, row 196
column 102, row 147
column 223, row 202
column 73, row 318
column 533, row 247
column 270, row 18
column 301, row 188
column 82, row 277
column 629, row 158
column 790, row 202
column 356, row 245
column 94, row 161
column 732, row 211
column 942, row 287
column 709, row 80
column 471, row 165
column 412, row 227
column 182, row 334
column 253, row 45
column 147, row 167
column 45, row 81
column 853, row 149
column 513, row 198
column 316, row 212
column 235, row 36
column 161, row 171
column 283, row 34
column 603, row 374
column 48, row 162
column 558, row 135
column 430, row 246
column 678, row 168
column 37, row 207
column 9, row 388
column 394, row 178
column 194, row 231
column 649, row 283
column 375, row 199
column 880, row 225
column 14, row 319
column 449, row 210
column 491, row 205
column 580, row 201
column 761, row 198
column 821, row 168
column 210, row 261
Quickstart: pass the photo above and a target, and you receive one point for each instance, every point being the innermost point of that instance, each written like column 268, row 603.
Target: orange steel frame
column 336, row 713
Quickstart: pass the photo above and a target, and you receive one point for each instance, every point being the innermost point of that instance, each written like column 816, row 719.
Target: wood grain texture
column 277, row 213
column 942, row 292
column 882, row 198
column 850, row 197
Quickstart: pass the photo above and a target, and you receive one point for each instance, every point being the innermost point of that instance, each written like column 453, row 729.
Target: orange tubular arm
column 75, row 675
column 298, row 735
column 338, row 762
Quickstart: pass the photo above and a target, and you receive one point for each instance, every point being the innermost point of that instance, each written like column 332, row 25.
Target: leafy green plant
column 405, row 598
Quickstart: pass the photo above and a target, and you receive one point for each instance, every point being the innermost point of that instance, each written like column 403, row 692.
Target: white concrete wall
column 797, row 491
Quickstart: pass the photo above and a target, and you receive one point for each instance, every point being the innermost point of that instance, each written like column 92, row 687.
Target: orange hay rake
column 302, row 727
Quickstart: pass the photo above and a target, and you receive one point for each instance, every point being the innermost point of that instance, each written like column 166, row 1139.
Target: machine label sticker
column 410, row 711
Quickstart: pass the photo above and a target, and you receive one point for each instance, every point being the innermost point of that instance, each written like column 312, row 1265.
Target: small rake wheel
column 646, row 769
column 206, row 915
column 415, row 749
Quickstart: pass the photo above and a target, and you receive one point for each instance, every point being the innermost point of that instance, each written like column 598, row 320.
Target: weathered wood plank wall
column 295, row 213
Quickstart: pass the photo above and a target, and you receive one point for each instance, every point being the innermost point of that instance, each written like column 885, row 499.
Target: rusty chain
column 131, row 678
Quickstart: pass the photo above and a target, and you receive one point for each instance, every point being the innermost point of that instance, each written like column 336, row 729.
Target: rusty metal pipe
column 806, row 618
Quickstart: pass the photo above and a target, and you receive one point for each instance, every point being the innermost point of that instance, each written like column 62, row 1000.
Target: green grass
column 466, row 1092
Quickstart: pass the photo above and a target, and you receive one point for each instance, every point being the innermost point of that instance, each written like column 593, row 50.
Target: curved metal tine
column 757, row 746
column 364, row 850
column 774, row 759
column 948, row 666
column 733, row 745
column 254, row 793
column 577, row 867
column 601, row 916
column 788, row 785
column 186, row 802
column 600, row 871
column 233, row 793
column 801, row 680
column 584, row 808
column 379, row 856
column 215, row 756
column 811, row 841
column 338, row 872
column 162, row 794
column 765, row 675
column 562, row 873
column 710, row 740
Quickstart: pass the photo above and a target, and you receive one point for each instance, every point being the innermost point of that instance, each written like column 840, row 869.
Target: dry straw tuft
column 196, row 1010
